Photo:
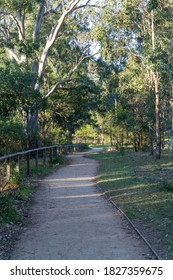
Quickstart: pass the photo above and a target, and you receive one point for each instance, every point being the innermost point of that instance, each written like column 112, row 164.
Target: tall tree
column 142, row 29
column 28, row 32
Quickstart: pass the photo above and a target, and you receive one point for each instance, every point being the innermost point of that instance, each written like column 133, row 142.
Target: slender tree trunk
column 163, row 130
column 135, row 147
column 157, row 97
column 171, row 102
column 171, row 144
column 111, row 142
column 33, row 131
column 135, row 144
column 151, row 148
column 157, row 109
column 38, row 66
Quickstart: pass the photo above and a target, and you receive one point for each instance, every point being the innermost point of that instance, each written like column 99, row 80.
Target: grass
column 143, row 189
column 19, row 189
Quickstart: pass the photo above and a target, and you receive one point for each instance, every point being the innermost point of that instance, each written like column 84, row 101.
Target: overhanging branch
column 58, row 85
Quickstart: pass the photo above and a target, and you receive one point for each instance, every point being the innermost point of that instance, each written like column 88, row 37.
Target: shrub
column 7, row 210
column 167, row 185
column 59, row 159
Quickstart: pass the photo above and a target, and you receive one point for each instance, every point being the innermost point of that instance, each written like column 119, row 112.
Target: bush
column 167, row 185
column 145, row 148
column 12, row 136
column 84, row 146
column 15, row 179
column 59, row 159
column 7, row 210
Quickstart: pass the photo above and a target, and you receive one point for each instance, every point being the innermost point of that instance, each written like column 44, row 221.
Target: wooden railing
column 43, row 153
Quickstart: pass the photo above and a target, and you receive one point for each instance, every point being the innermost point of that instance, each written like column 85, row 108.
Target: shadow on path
column 71, row 220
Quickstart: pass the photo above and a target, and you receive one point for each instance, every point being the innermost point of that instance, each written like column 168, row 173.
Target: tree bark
column 157, row 110
column 157, row 96
column 151, row 148
column 38, row 64
column 171, row 144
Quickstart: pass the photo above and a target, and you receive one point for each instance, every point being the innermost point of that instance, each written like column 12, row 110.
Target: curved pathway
column 71, row 220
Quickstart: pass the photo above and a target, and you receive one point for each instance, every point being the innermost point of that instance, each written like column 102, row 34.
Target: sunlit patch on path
column 71, row 219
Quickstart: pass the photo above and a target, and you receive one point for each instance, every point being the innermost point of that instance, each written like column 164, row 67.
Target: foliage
column 48, row 77
column 58, row 160
column 167, row 185
column 46, row 43
column 7, row 210
column 17, row 91
column 135, row 36
column 15, row 179
column 12, row 135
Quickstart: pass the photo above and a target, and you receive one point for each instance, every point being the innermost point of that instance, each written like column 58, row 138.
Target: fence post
column 44, row 158
column 50, row 155
column 18, row 164
column 8, row 169
column 36, row 160
column 55, row 152
column 28, row 164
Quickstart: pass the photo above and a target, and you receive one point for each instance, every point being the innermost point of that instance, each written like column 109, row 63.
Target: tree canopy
column 107, row 64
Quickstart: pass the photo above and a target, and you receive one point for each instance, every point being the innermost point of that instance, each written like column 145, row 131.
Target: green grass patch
column 143, row 189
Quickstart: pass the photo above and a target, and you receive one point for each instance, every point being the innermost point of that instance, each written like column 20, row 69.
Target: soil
column 70, row 219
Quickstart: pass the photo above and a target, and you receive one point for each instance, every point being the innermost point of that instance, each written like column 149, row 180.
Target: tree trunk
column 171, row 144
column 157, row 97
column 135, row 147
column 151, row 148
column 157, row 111
column 33, row 140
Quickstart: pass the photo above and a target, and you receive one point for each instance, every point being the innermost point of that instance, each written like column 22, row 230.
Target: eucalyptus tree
column 29, row 30
column 70, row 108
column 142, row 29
column 157, row 24
column 134, row 100
column 107, row 81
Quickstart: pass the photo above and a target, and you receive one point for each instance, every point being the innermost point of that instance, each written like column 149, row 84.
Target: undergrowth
column 17, row 190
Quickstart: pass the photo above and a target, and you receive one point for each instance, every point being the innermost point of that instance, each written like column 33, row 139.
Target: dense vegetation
column 99, row 72
column 96, row 71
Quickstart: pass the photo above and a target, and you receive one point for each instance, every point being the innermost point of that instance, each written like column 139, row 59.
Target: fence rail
column 44, row 153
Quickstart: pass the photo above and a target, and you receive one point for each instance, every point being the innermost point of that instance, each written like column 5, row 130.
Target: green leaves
column 17, row 91
column 152, row 5
column 12, row 135
column 20, row 6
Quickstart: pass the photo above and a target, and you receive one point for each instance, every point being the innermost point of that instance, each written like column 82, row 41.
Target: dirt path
column 70, row 219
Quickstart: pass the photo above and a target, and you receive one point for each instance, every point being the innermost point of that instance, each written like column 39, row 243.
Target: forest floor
column 143, row 189
column 70, row 218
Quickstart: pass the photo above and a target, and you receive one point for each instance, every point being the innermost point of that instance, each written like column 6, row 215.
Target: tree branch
column 14, row 56
column 19, row 20
column 52, row 37
column 57, row 85
column 68, row 79
column 54, row 11
column 38, row 22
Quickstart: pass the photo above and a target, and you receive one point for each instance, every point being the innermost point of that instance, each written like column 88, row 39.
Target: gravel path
column 71, row 220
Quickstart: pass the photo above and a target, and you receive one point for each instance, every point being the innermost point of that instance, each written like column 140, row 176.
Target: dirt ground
column 70, row 219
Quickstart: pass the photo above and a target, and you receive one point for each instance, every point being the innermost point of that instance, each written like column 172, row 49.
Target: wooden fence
column 44, row 154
